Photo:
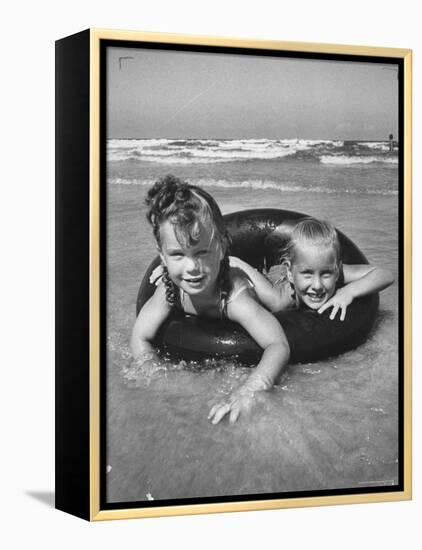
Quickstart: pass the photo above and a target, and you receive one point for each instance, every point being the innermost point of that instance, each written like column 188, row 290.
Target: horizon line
column 256, row 138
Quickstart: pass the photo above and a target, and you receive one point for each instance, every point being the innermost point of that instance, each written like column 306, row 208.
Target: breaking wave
column 211, row 151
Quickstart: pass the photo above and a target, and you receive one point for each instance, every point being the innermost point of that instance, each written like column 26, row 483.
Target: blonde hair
column 317, row 233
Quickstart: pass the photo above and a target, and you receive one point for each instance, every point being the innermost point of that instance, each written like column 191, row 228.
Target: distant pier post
column 391, row 139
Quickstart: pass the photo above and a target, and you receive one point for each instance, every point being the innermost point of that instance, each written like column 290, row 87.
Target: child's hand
column 142, row 368
column 240, row 401
column 156, row 275
column 341, row 299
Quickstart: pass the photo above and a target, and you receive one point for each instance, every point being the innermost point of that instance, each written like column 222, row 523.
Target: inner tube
column 311, row 336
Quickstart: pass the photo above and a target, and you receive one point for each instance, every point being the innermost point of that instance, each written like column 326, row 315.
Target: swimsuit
column 223, row 302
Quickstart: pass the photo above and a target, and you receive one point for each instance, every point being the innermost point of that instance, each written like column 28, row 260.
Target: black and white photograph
column 252, row 260
column 238, row 415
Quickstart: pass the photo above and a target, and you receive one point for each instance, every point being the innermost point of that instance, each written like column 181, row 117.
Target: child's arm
column 360, row 280
column 267, row 332
column 269, row 296
column 150, row 318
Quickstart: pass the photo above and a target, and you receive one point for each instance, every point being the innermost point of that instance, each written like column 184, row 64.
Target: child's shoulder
column 239, row 282
column 239, row 278
column 159, row 295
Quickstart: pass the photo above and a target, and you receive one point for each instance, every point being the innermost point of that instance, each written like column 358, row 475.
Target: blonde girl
column 311, row 273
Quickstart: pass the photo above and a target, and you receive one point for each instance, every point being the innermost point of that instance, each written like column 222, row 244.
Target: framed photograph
column 233, row 274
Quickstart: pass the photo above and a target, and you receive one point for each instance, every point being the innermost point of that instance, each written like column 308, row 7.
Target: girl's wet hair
column 311, row 231
column 188, row 208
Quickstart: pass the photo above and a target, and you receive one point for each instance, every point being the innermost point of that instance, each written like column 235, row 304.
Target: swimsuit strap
column 182, row 299
column 246, row 285
column 222, row 304
column 224, row 301
column 340, row 280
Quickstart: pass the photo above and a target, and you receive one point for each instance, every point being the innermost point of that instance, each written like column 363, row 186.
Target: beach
column 328, row 425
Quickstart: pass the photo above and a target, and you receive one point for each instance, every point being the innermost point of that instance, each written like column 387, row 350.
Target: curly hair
column 188, row 208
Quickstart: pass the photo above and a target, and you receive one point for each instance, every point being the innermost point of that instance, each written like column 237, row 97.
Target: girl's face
column 194, row 268
column 314, row 272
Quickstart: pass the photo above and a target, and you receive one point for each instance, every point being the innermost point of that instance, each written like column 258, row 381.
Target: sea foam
column 350, row 160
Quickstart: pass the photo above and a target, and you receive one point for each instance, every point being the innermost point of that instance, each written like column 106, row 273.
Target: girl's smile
column 193, row 268
column 314, row 273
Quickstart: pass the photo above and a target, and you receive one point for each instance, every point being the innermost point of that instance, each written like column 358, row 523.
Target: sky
column 169, row 94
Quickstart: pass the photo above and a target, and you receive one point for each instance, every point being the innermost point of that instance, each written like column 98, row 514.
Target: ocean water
column 328, row 425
